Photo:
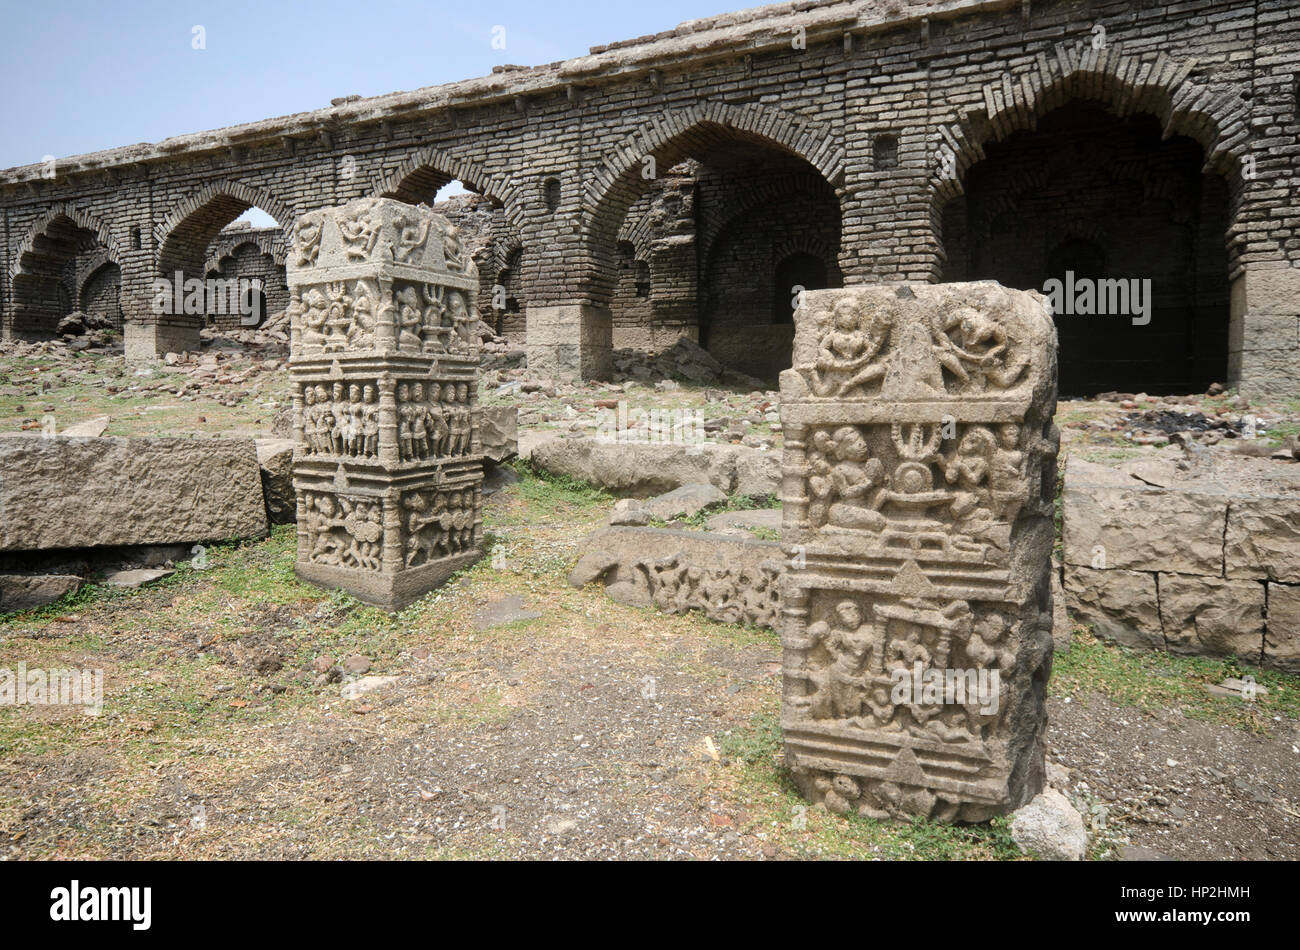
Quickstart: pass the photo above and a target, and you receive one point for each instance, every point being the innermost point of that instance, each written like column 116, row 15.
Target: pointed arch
column 1215, row 116
column 82, row 219
column 428, row 169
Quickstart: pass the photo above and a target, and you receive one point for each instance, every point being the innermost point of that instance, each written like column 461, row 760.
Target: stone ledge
column 83, row 493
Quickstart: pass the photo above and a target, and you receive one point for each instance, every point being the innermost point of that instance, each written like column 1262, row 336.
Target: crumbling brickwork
column 892, row 107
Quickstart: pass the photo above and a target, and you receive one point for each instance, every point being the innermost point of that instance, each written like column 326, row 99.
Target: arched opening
column 692, row 241
column 248, row 255
column 551, row 194
column 65, row 267
column 221, row 266
column 1122, row 229
column 101, row 297
column 794, row 274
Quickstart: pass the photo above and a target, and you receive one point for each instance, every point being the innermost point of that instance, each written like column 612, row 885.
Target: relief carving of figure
column 343, row 532
column 411, row 234
column 853, row 644
column 359, row 231
column 410, row 319
column 845, row 360
column 843, row 475
column 306, row 238
column 315, row 310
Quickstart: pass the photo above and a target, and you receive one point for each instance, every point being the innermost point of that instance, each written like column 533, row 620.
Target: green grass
column 815, row 833
column 1155, row 680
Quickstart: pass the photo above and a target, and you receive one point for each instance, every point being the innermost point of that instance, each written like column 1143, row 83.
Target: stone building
column 686, row 182
column 244, row 253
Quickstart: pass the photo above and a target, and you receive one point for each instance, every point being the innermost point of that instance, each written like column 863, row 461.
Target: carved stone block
column 387, row 466
column 918, row 479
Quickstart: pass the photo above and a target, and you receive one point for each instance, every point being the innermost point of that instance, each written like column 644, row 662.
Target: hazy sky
column 81, row 76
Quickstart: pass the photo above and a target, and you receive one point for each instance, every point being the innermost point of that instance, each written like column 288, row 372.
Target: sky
column 82, row 76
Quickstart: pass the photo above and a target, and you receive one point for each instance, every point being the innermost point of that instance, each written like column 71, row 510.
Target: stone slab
column 29, row 591
column 1282, row 628
column 1109, row 526
column 1120, row 606
column 75, row 493
column 1207, row 616
column 1263, row 538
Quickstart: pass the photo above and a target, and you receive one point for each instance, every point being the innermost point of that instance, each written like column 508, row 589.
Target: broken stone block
column 1050, row 827
column 89, row 429
column 1111, row 523
column 733, row 580
column 919, row 460
column 384, row 364
column 1211, row 617
column 499, row 432
column 682, row 502
column 83, row 493
column 648, row 469
column 745, row 522
column 137, row 577
column 30, row 591
column 1263, row 538
column 275, row 459
column 1282, row 629
column 1120, row 606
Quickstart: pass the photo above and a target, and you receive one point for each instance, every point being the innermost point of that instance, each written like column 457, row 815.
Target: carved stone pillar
column 384, row 353
column 919, row 475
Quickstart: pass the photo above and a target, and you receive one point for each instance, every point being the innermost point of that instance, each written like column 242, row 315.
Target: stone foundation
column 1202, row 565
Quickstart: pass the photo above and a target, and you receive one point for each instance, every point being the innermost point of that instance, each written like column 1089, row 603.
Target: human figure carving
column 853, row 644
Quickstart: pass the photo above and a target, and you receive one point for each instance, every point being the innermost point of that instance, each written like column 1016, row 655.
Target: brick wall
column 561, row 149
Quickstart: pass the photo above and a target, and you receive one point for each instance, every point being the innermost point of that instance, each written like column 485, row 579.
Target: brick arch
column 771, row 189
column 427, row 169
column 89, row 267
column 80, row 218
column 193, row 224
column 671, row 138
column 637, row 230
column 1216, row 117
column 494, row 256
column 94, row 273
column 272, row 245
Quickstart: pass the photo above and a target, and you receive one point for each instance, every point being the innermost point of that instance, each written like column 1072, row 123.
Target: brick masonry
column 891, row 106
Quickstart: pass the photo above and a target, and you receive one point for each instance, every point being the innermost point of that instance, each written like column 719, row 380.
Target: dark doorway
column 1112, row 210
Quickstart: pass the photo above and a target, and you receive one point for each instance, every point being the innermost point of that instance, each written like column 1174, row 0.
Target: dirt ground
column 520, row 718
column 589, row 730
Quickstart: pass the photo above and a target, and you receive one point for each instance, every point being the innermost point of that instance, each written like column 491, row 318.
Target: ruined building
column 690, row 181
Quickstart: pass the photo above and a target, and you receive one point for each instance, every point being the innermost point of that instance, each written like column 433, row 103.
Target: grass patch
column 772, row 801
column 1153, row 680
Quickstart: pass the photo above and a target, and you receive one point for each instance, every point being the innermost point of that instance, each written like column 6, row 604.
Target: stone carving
column 306, row 239
column 438, row 524
column 862, row 349
column 343, row 531
column 386, row 464
column 919, row 460
column 730, row 579
column 341, row 420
